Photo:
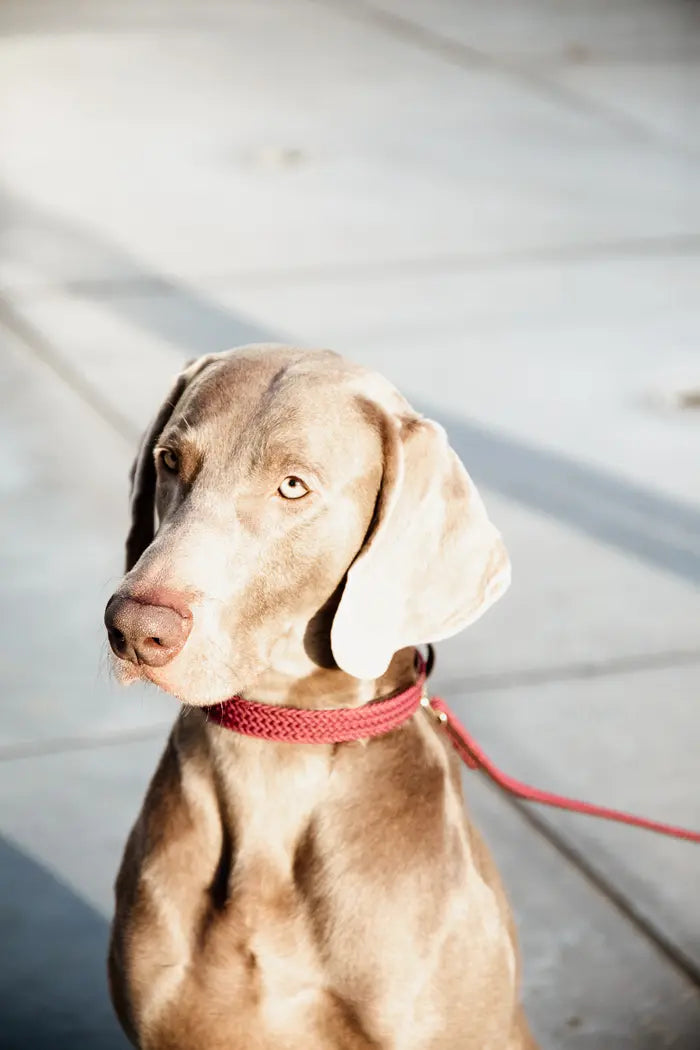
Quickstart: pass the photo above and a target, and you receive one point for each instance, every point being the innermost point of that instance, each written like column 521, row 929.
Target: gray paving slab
column 587, row 984
column 53, row 989
column 663, row 96
column 630, row 65
column 548, row 33
column 538, row 348
column 63, row 489
column 573, row 603
column 590, row 979
column 123, row 352
column 90, row 800
column 627, row 741
column 260, row 173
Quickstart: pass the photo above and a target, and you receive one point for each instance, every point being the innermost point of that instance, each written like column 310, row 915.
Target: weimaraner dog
column 297, row 529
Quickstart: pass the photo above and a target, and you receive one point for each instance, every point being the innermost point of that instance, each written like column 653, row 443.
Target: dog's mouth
column 126, row 672
column 213, row 689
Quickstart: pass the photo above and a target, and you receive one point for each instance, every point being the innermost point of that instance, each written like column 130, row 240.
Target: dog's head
column 289, row 511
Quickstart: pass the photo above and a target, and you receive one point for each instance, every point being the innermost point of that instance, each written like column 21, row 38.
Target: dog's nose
column 145, row 634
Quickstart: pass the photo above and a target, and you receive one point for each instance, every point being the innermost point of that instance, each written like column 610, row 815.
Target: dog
column 296, row 530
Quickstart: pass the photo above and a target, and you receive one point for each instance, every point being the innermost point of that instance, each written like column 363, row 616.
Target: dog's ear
column 143, row 469
column 431, row 563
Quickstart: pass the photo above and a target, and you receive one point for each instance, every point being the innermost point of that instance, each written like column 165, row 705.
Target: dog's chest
column 271, row 800
column 272, row 792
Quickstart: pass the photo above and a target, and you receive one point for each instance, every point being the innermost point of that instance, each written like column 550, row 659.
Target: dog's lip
column 150, row 674
column 125, row 670
column 129, row 673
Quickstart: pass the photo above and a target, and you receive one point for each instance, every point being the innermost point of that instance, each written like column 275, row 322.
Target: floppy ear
column 432, row 562
column 143, row 470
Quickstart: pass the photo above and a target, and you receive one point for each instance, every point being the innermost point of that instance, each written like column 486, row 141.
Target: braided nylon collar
column 322, row 726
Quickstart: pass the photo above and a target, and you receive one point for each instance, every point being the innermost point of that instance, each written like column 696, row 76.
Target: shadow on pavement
column 176, row 313
column 655, row 528
column 53, row 983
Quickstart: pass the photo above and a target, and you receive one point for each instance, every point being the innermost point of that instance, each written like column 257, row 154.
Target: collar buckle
column 439, row 716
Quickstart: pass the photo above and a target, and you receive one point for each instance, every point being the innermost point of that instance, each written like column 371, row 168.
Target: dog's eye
column 169, row 460
column 292, row 488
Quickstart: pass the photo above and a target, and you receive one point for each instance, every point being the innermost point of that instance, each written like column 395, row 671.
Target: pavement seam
column 618, row 899
column 623, row 249
column 42, row 349
column 465, row 56
column 68, row 744
column 574, row 672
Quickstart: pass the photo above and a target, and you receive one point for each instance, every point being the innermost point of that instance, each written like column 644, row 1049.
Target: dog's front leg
column 166, row 888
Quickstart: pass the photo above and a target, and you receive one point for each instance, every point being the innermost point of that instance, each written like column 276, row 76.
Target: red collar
column 322, row 726
column 343, row 724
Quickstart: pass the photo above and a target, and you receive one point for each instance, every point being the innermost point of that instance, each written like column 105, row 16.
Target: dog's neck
column 311, row 686
column 302, row 671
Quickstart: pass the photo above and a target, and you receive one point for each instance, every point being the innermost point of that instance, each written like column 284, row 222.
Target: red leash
column 470, row 752
column 344, row 724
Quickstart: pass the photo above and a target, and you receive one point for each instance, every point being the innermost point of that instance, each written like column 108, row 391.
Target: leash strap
column 473, row 755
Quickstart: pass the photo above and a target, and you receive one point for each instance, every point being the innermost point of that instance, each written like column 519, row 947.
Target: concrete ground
column 498, row 205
